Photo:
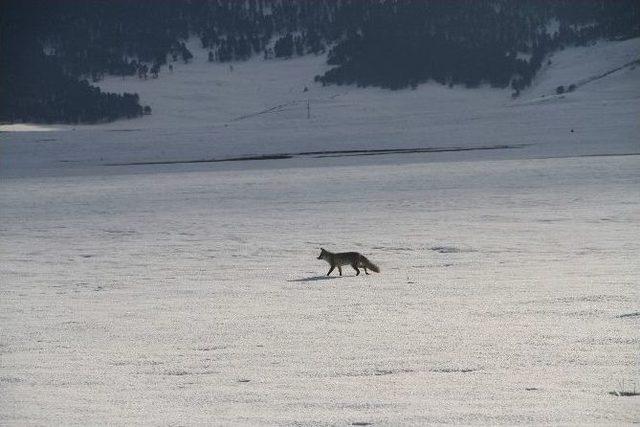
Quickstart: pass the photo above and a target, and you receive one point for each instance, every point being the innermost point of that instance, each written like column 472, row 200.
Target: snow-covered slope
column 586, row 65
column 205, row 111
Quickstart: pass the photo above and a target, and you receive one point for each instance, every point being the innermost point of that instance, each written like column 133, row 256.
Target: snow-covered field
column 183, row 293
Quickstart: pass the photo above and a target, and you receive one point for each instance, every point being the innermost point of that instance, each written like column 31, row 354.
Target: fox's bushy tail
column 371, row 266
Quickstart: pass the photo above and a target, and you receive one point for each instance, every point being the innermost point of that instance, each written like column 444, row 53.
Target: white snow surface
column 206, row 111
column 190, row 293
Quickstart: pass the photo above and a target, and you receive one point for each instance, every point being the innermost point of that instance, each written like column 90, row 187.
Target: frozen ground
column 183, row 293
column 152, row 297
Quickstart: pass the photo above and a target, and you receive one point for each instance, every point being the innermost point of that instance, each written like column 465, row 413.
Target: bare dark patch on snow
column 452, row 370
column 229, row 159
column 324, row 154
column 381, row 372
column 627, row 315
column 377, row 372
column 549, row 220
column 625, row 393
column 343, row 153
column 450, row 249
column 177, row 373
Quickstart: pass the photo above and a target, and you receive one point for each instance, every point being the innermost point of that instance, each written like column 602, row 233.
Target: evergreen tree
column 284, row 47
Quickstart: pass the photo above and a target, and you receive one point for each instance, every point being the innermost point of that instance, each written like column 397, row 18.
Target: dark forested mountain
column 50, row 50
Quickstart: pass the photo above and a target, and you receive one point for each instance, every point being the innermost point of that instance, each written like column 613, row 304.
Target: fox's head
column 323, row 254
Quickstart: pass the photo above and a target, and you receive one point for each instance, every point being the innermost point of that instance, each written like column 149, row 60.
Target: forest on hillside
column 50, row 52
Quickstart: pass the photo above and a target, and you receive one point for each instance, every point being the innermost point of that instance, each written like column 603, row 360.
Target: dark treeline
column 49, row 50
column 34, row 88
column 503, row 43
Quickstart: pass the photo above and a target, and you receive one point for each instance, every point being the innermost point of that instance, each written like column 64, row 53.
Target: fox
column 354, row 259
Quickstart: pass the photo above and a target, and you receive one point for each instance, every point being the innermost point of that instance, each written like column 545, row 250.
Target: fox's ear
column 322, row 249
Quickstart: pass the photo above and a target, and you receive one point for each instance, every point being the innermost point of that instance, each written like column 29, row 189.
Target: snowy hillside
column 150, row 276
column 210, row 111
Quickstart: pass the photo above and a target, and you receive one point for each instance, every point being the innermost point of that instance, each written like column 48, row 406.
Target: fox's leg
column 331, row 269
column 340, row 270
column 355, row 267
column 365, row 270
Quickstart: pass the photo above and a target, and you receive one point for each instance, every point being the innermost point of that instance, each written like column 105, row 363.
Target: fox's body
column 354, row 259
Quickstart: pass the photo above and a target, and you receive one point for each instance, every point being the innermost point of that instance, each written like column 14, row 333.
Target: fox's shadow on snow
column 315, row 278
